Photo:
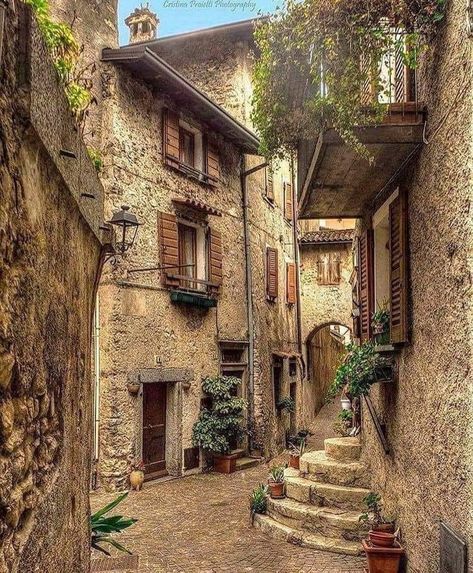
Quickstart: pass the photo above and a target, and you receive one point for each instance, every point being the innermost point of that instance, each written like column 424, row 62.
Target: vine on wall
column 316, row 56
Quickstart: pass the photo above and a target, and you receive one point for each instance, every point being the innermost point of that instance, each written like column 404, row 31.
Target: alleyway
column 200, row 524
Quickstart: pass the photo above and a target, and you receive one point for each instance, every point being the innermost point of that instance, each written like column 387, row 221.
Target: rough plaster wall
column 322, row 304
column 428, row 477
column 49, row 259
column 138, row 321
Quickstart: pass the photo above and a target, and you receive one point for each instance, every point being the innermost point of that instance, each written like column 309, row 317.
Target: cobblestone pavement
column 200, row 524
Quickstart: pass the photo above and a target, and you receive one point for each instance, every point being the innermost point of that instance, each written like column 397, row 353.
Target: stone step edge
column 313, row 483
column 302, row 508
column 311, row 540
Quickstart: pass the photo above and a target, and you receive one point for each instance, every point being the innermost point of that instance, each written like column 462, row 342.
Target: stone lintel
column 165, row 375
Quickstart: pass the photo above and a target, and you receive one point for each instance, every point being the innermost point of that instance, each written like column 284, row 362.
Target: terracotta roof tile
column 328, row 236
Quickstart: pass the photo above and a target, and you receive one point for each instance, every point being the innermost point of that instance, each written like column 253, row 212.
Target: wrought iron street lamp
column 127, row 227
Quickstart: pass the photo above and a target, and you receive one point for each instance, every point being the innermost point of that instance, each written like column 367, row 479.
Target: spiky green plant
column 103, row 527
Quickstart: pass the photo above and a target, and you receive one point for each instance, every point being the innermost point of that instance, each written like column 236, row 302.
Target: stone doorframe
column 177, row 380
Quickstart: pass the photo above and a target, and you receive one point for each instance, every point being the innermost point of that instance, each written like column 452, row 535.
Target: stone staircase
column 324, row 500
column 244, row 462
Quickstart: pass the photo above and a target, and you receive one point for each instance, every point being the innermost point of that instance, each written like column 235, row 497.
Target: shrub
column 258, row 499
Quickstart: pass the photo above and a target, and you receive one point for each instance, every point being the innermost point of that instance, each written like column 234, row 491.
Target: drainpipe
column 296, row 260
column 244, row 173
column 96, row 381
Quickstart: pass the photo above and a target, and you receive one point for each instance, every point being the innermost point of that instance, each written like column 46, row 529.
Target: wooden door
column 154, row 428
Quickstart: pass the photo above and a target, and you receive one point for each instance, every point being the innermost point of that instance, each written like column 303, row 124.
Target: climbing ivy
column 315, row 56
column 65, row 52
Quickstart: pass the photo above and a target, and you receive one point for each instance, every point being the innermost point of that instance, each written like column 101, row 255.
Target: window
column 188, row 150
column 328, row 270
column 277, row 371
column 191, row 254
column 288, row 201
column 290, row 283
column 382, row 269
column 271, row 273
column 186, row 147
column 269, row 183
column 145, row 27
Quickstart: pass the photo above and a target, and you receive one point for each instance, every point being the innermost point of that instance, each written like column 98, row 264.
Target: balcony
column 335, row 180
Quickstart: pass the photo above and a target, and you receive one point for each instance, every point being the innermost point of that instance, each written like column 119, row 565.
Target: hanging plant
column 319, row 58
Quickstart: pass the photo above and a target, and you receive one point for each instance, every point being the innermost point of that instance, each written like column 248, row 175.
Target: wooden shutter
column 212, row 163
column 271, row 273
column 215, row 257
column 398, row 268
column 365, row 281
column 171, row 138
column 288, row 201
column 291, row 283
column 169, row 245
column 269, row 184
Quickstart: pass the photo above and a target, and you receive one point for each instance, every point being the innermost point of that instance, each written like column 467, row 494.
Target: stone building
column 414, row 249
column 211, row 283
column 51, row 246
column 326, row 267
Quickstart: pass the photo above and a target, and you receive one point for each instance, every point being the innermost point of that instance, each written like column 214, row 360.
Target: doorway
column 154, row 429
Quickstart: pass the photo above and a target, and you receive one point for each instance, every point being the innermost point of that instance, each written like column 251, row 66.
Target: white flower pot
column 346, row 404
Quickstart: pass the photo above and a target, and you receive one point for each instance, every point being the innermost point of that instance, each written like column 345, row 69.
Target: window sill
column 192, row 173
column 269, row 201
column 193, row 299
column 385, row 349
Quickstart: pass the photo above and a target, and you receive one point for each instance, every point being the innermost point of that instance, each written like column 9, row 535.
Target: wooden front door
column 154, row 428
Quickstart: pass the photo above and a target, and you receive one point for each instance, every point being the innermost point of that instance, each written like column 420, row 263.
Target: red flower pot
column 225, row 464
column 383, row 559
column 381, row 538
column 294, row 461
column 276, row 489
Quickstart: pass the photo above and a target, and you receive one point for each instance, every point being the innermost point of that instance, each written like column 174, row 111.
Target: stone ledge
column 150, row 375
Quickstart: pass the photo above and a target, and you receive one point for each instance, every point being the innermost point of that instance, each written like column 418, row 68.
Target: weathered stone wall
column 50, row 255
column 322, row 305
column 428, row 476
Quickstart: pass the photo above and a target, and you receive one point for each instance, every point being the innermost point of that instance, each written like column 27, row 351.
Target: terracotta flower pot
column 381, row 538
column 276, row 489
column 384, row 527
column 137, row 477
column 294, row 461
column 383, row 559
column 133, row 388
column 225, row 464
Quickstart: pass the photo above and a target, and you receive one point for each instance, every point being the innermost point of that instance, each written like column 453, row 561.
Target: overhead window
column 269, row 183
column 329, row 269
column 271, row 273
column 288, row 211
column 186, row 147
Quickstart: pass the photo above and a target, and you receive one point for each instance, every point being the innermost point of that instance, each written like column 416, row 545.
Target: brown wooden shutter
column 291, row 283
column 171, row 138
column 365, row 281
column 215, row 257
column 271, row 273
column 288, row 201
column 398, row 268
column 269, row 184
column 169, row 245
column 212, row 163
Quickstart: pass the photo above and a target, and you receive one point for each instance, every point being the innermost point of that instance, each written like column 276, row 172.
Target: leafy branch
column 102, row 527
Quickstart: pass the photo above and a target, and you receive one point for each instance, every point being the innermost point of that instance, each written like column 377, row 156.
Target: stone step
column 319, row 467
column 343, row 449
column 245, row 462
column 326, row 494
column 326, row 521
column 305, row 538
column 240, row 452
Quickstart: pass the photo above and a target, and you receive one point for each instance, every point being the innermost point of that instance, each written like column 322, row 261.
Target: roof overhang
column 340, row 183
column 142, row 62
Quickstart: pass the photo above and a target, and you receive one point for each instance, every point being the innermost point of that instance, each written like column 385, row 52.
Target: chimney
column 143, row 24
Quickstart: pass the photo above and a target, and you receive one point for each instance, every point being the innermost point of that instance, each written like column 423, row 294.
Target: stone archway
column 325, row 346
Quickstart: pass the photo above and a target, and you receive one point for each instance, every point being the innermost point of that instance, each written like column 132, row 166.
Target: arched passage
column 325, row 348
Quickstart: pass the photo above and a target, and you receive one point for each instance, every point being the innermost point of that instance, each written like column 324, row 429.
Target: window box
column 193, row 299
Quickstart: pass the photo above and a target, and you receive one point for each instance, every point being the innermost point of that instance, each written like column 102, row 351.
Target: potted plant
column 102, row 527
column 296, row 450
column 220, row 422
column 259, row 500
column 344, row 423
column 137, row 475
column 287, row 403
column 276, row 481
column 383, row 551
column 380, row 324
column 346, row 402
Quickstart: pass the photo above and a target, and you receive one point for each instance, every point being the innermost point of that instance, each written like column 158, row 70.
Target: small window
column 269, row 183
column 328, row 270
column 186, row 147
column 192, row 249
column 292, row 366
column 277, row 371
column 145, row 27
column 271, row 273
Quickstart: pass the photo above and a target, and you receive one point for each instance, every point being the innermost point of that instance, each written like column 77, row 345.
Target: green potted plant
column 380, row 324
column 276, row 481
column 287, row 403
column 102, row 527
column 344, row 423
column 296, row 450
column 259, row 500
column 383, row 551
column 220, row 423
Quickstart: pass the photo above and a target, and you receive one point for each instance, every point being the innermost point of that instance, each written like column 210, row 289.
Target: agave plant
column 258, row 499
column 102, row 527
